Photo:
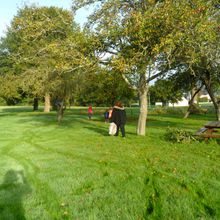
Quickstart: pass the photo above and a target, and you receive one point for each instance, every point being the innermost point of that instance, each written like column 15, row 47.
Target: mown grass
column 76, row 171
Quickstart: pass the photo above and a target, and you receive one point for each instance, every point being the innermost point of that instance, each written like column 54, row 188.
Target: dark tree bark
column 215, row 101
column 191, row 102
column 35, row 105
column 60, row 111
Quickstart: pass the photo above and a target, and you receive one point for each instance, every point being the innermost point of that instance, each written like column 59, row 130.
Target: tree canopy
column 138, row 34
column 47, row 50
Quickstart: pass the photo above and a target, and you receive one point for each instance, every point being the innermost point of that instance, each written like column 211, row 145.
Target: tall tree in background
column 49, row 49
column 195, row 42
column 9, row 86
column 102, row 87
column 165, row 91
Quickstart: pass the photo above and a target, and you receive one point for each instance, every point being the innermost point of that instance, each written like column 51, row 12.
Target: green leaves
column 176, row 135
column 49, row 49
column 165, row 90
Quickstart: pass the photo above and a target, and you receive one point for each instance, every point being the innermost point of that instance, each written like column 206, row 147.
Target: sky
column 9, row 8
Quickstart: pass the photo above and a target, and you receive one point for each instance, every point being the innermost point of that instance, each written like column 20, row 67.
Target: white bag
column 112, row 128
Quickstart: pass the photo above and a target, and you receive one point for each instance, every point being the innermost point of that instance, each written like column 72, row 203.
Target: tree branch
column 154, row 76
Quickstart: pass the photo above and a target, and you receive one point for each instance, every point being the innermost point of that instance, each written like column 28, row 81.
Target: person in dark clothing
column 106, row 116
column 119, row 118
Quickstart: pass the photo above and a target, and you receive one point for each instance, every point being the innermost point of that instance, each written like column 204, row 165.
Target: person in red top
column 90, row 112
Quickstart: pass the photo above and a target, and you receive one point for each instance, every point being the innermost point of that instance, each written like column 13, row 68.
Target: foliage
column 196, row 109
column 165, row 90
column 139, row 34
column 128, row 32
column 48, row 50
column 177, row 110
column 189, row 44
column 169, row 110
column 9, row 89
column 2, row 102
column 159, row 110
column 102, row 88
column 203, row 99
column 177, row 135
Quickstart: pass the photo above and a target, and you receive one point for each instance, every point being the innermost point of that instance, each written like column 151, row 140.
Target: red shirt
column 90, row 109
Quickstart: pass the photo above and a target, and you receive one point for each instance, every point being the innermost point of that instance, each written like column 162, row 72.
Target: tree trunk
column 47, row 102
column 143, row 89
column 217, row 108
column 187, row 113
column 191, row 102
column 218, row 112
column 215, row 102
column 35, row 105
column 60, row 111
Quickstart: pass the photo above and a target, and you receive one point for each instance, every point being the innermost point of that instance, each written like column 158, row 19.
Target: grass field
column 76, row 171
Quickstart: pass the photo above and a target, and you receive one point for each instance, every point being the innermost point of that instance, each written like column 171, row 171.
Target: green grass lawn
column 76, row 171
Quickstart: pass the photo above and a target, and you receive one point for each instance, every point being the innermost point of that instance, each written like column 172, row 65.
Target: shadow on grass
column 208, row 117
column 16, row 109
column 159, row 123
column 69, row 121
column 99, row 130
column 12, row 190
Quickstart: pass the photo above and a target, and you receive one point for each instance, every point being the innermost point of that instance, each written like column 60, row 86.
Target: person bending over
column 119, row 118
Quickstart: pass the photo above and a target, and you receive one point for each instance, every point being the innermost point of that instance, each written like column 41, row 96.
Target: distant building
column 206, row 96
column 183, row 102
column 158, row 104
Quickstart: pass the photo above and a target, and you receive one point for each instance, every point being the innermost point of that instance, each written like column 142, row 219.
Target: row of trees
column 124, row 46
column 46, row 54
column 42, row 49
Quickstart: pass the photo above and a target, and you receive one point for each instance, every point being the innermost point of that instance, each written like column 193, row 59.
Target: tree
column 9, row 87
column 183, row 81
column 190, row 84
column 50, row 50
column 130, row 31
column 102, row 87
column 138, row 33
column 211, row 80
column 195, row 42
column 165, row 90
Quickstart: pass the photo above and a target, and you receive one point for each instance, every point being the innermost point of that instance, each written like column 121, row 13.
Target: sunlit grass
column 76, row 171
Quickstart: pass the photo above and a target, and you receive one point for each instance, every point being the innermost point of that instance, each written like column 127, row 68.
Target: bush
column 2, row 102
column 195, row 109
column 176, row 110
column 203, row 99
column 169, row 110
column 177, row 135
column 159, row 110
